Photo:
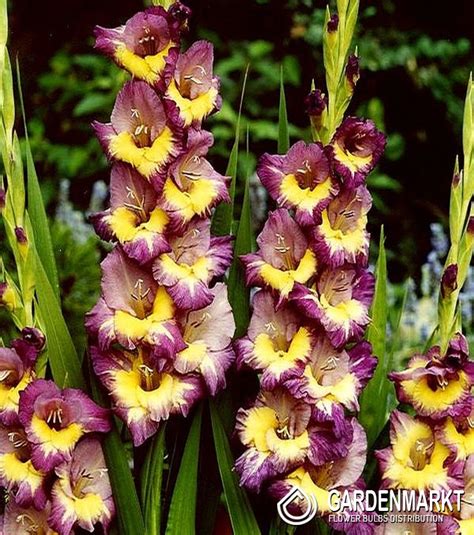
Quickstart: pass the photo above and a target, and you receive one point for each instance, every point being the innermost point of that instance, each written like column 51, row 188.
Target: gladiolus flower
column 16, row 372
column 55, row 420
column 342, row 236
column 145, row 45
column 133, row 309
column 301, row 180
column 195, row 259
column 133, row 219
column 208, row 334
column 277, row 342
column 17, row 472
column 193, row 87
column 437, row 387
column 144, row 396
column 458, row 435
column 140, row 132
column 284, row 257
column 193, row 186
column 340, row 474
column 333, row 377
column 356, row 149
column 82, row 496
column 416, row 459
column 340, row 299
column 25, row 521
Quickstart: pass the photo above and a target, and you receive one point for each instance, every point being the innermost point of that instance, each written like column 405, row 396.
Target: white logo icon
column 305, row 516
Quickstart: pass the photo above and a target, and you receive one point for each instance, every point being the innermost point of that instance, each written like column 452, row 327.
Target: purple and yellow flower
column 55, row 420
column 416, row 459
column 284, row 257
column 340, row 299
column 466, row 514
column 334, row 377
column 437, row 386
column 193, row 187
column 142, row 395
column 16, row 371
column 17, row 472
column 276, row 434
column 141, row 132
column 355, row 150
column 195, row 259
column 193, row 87
column 277, row 343
column 133, row 309
column 82, row 496
column 146, row 45
column 20, row 520
column 458, row 435
column 208, row 336
column 342, row 236
column 299, row 180
column 318, row 481
column 134, row 220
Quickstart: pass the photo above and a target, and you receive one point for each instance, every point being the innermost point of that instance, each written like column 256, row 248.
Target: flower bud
column 316, row 105
column 352, row 71
column 333, row 23
column 8, row 297
column 449, row 281
column 34, row 337
column 3, row 196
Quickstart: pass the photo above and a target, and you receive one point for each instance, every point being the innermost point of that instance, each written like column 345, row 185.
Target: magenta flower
column 133, row 309
column 20, row 520
column 146, row 45
column 195, row 259
column 340, row 299
column 284, row 257
column 208, row 336
column 82, row 496
column 55, row 420
column 416, row 459
column 342, row 236
column 16, row 371
column 142, row 395
column 301, row 179
column 278, row 343
column 134, row 220
column 141, row 132
column 340, row 474
column 438, row 386
column 17, row 472
column 356, row 149
column 193, row 87
column 334, row 376
column 193, row 186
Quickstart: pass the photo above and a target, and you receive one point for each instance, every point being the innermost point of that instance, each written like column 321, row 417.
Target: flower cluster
column 309, row 316
column 434, row 450
column 161, row 330
column 51, row 462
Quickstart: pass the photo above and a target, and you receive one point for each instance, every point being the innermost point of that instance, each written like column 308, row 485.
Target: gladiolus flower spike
column 161, row 331
column 310, row 313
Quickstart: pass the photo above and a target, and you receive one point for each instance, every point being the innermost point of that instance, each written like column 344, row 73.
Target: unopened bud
column 3, row 197
column 316, row 104
column 352, row 71
column 34, row 337
column 21, row 235
column 7, row 297
column 333, row 23
column 449, row 282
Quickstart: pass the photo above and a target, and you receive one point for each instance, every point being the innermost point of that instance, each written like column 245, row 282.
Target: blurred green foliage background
column 415, row 60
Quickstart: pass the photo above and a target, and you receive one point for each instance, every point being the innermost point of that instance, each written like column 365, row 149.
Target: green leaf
column 62, row 356
column 129, row 515
column 224, row 213
column 238, row 505
column 151, row 479
column 374, row 406
column 239, row 294
column 182, row 513
column 283, row 133
column 36, row 207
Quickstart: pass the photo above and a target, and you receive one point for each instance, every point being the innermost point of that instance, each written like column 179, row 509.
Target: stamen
column 18, row 440
column 4, row 374
column 55, row 416
column 330, row 364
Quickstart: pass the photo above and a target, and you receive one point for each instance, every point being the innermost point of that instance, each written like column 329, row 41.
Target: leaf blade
column 241, row 515
column 283, row 130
